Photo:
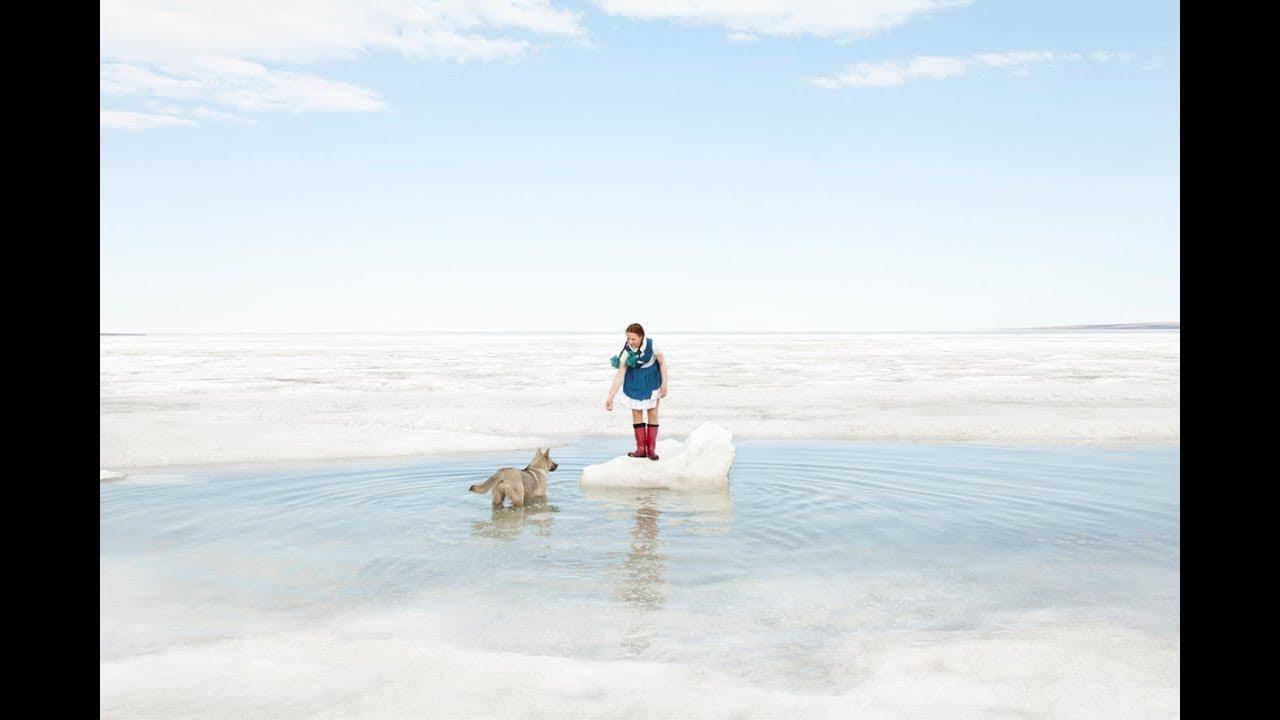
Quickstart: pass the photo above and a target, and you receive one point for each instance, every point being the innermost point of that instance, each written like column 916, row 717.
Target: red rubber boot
column 651, row 440
column 642, row 442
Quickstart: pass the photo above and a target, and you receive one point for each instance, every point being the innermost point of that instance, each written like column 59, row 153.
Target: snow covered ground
column 170, row 400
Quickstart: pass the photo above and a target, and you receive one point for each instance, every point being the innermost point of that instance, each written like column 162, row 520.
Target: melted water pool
column 890, row 579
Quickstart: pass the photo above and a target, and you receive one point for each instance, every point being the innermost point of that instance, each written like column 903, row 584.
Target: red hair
column 635, row 328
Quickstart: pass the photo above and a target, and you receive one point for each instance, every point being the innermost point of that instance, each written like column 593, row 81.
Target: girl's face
column 633, row 339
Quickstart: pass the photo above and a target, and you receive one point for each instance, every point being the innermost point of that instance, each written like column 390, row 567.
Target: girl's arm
column 662, row 365
column 617, row 383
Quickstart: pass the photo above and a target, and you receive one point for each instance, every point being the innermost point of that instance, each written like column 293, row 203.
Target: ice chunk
column 108, row 475
column 701, row 461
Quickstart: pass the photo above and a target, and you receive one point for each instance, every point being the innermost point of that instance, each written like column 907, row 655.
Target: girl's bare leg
column 637, row 416
column 653, row 415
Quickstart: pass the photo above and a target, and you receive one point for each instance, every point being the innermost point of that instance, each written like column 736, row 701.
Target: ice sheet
column 394, row 665
column 169, row 400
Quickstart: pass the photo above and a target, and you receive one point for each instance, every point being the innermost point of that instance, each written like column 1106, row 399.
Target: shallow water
column 898, row 580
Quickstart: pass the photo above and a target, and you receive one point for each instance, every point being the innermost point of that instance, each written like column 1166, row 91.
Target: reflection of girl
column 642, row 374
column 644, row 586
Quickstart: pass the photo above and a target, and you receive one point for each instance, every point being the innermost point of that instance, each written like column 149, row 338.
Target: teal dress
column 642, row 382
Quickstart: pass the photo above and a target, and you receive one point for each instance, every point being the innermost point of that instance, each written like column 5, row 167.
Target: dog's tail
column 484, row 486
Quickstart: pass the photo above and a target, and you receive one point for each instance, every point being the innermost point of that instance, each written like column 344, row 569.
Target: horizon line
column 1162, row 325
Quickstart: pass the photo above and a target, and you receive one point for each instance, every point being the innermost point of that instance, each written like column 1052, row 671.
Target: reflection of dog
column 510, row 523
column 520, row 485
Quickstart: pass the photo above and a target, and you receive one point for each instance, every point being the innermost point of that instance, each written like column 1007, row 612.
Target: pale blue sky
column 694, row 167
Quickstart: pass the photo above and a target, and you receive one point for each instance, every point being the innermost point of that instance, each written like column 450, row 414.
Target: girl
column 644, row 383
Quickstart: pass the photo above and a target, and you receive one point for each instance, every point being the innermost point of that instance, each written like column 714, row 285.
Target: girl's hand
column 662, row 392
column 608, row 404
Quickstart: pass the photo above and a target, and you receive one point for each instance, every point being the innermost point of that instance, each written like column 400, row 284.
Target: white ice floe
column 177, row 400
column 702, row 461
column 108, row 475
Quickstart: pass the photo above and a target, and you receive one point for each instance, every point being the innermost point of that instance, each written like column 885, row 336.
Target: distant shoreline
column 1050, row 328
column 1175, row 325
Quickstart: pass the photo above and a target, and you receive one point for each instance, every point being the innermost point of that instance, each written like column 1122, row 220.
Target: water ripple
column 821, row 537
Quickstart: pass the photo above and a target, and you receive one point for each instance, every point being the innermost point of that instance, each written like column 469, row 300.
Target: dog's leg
column 517, row 495
column 497, row 497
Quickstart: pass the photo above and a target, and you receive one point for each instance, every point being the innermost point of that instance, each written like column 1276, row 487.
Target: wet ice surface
column 879, row 579
column 167, row 400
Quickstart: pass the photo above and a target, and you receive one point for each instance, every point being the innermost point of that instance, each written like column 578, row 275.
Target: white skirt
column 634, row 404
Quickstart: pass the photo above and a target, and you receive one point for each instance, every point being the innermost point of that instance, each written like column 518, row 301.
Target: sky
column 692, row 165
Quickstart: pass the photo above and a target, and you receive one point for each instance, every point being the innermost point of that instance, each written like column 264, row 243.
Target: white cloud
column 317, row 30
column 244, row 54
column 741, row 37
column 200, row 113
column 1012, row 58
column 897, row 72
column 237, row 84
column 935, row 67
column 121, row 120
column 1107, row 56
column 823, row 18
column 894, row 72
column 125, row 79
